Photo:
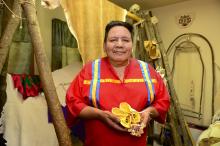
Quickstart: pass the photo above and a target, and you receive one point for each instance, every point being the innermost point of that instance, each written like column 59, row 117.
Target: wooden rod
column 133, row 16
column 54, row 106
column 8, row 34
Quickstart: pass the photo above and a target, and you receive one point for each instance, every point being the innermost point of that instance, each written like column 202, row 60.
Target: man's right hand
column 105, row 116
column 111, row 120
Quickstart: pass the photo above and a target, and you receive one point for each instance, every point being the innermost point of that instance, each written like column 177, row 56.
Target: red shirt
column 111, row 95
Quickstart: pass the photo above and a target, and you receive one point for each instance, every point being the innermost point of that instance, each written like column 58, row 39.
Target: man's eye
column 126, row 40
column 113, row 40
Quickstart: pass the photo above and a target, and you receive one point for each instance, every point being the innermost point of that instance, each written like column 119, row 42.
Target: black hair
column 117, row 23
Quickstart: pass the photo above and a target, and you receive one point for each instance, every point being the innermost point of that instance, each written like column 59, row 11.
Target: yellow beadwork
column 127, row 115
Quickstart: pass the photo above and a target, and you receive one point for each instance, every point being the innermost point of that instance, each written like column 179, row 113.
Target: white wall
column 45, row 17
column 206, row 22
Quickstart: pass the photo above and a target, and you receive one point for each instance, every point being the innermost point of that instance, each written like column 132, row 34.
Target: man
column 105, row 83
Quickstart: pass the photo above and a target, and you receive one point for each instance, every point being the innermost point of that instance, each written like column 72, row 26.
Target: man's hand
column 111, row 120
column 147, row 114
column 105, row 116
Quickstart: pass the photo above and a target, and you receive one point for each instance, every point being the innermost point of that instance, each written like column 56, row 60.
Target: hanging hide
column 152, row 48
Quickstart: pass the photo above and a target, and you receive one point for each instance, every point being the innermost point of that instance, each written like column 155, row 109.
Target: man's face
column 118, row 45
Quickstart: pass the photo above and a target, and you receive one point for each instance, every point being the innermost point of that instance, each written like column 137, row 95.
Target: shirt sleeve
column 75, row 101
column 162, row 99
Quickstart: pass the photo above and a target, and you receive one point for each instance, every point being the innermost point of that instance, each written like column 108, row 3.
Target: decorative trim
column 185, row 20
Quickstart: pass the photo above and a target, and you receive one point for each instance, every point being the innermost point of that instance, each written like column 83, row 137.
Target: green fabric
column 20, row 58
column 20, row 51
column 61, row 36
column 22, row 34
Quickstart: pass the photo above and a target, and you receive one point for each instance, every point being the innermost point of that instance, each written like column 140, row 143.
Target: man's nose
column 119, row 42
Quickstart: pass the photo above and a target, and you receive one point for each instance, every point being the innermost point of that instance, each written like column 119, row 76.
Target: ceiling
column 145, row 4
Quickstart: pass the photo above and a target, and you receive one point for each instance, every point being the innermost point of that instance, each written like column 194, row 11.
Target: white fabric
column 63, row 77
column 211, row 136
column 26, row 121
column 50, row 4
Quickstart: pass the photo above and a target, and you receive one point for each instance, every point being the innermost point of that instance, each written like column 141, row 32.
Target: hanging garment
column 27, row 85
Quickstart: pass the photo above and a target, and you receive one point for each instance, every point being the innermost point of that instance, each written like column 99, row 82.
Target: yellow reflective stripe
column 88, row 82
column 134, row 80
column 139, row 81
column 149, row 83
column 95, row 80
column 110, row 81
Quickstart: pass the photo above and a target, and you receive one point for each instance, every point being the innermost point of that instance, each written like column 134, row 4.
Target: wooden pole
column 177, row 117
column 134, row 17
column 8, row 33
column 9, row 26
column 62, row 131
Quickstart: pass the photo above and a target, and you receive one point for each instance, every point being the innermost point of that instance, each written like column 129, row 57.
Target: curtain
column 87, row 20
column 63, row 45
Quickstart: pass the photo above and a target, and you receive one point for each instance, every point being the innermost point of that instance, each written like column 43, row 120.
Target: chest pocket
column 95, row 83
